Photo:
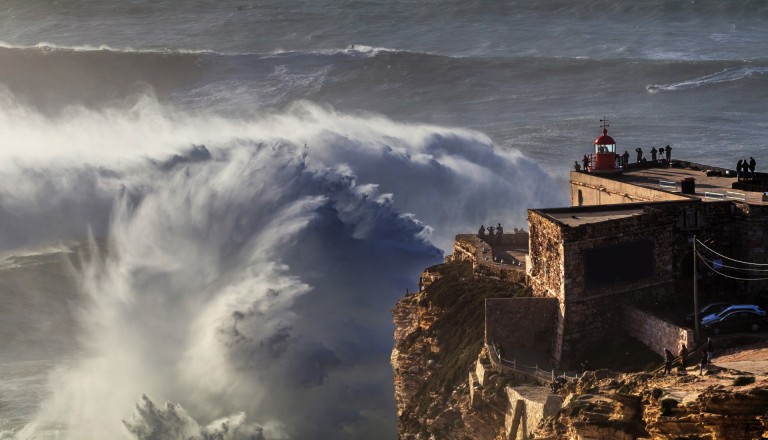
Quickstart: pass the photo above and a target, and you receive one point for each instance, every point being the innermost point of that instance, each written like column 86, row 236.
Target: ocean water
column 209, row 208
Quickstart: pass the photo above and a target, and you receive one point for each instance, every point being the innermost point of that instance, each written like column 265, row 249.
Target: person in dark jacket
column 639, row 152
column 752, row 164
column 683, row 357
column 738, row 170
column 669, row 154
column 653, row 154
column 668, row 359
column 704, row 362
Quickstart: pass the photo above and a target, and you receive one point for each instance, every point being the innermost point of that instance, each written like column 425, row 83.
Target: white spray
column 249, row 266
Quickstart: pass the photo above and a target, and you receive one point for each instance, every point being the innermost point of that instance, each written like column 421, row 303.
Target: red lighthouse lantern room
column 603, row 160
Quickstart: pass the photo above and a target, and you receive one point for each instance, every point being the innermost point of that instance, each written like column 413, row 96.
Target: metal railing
column 668, row 185
column 511, row 365
column 544, row 376
column 714, row 196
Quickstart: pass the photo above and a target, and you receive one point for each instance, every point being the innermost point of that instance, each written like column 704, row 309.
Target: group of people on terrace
column 657, row 155
column 706, row 358
column 622, row 160
column 494, row 235
column 745, row 170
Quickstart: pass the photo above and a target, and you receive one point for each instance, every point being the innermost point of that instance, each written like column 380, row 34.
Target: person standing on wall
column 669, row 154
column 639, row 152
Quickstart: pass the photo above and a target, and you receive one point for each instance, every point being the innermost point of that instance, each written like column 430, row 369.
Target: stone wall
column 469, row 247
column 655, row 332
column 523, row 327
column 588, row 189
column 544, row 264
column 577, row 241
column 526, row 408
column 589, row 311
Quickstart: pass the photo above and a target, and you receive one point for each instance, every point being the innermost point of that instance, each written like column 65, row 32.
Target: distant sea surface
column 217, row 203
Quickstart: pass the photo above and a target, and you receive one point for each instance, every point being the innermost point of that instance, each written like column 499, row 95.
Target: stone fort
column 622, row 252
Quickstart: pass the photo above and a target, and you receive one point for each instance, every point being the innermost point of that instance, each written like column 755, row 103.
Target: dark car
column 737, row 321
column 737, row 307
column 709, row 309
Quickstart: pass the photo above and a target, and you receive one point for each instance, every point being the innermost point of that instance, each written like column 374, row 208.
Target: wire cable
column 729, row 258
column 729, row 267
column 730, row 276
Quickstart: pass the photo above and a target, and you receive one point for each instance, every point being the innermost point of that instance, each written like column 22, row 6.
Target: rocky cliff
column 439, row 345
column 722, row 404
column 438, row 338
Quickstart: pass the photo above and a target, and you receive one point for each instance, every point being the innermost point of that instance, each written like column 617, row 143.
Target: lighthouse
column 603, row 160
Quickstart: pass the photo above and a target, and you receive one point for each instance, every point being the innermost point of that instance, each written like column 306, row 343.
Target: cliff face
column 438, row 338
column 716, row 406
column 446, row 389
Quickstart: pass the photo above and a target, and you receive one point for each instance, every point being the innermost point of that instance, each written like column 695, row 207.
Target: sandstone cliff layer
column 438, row 337
column 439, row 342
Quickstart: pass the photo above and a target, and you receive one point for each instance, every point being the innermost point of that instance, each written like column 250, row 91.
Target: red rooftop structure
column 603, row 160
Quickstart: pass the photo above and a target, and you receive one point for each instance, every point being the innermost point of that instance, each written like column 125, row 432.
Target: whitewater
column 208, row 210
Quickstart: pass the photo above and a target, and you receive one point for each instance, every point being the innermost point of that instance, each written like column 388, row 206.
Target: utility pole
column 695, row 293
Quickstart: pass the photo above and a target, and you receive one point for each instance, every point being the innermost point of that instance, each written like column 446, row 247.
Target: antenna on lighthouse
column 604, row 122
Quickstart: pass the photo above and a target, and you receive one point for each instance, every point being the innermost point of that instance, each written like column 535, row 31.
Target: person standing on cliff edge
column 668, row 359
column 481, row 231
column 499, row 233
column 669, row 154
column 683, row 356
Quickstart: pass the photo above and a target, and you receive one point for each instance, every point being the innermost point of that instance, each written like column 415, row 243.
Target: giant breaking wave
column 243, row 270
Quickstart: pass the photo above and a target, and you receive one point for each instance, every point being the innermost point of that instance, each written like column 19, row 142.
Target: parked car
column 709, row 309
column 737, row 307
column 737, row 321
